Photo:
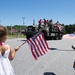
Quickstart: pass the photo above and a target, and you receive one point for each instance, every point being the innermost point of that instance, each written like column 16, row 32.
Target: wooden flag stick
column 22, row 44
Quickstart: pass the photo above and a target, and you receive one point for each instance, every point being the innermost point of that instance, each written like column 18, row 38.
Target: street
column 58, row 61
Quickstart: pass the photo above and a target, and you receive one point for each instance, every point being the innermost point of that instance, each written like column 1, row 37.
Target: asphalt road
column 58, row 61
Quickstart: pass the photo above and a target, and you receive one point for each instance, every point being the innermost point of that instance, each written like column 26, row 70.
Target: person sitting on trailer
column 40, row 23
column 45, row 22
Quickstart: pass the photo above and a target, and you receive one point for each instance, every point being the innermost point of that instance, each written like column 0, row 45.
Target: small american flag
column 38, row 45
column 60, row 27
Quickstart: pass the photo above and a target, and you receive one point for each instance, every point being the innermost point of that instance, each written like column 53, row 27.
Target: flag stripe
column 38, row 45
column 35, row 48
column 42, row 45
column 46, row 48
column 36, row 42
column 32, row 48
column 45, row 42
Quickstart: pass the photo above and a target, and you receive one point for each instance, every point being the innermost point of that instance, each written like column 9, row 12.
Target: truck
column 51, row 31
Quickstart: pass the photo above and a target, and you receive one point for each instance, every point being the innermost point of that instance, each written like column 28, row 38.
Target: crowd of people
column 45, row 22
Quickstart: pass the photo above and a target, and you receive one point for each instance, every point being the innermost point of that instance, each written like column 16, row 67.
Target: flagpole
column 22, row 44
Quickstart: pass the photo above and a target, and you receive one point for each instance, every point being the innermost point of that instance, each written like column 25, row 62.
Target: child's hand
column 17, row 48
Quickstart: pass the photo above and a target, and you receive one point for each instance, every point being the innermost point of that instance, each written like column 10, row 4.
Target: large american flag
column 38, row 45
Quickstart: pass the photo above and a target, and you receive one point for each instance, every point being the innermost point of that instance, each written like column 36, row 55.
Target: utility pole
column 33, row 22
column 23, row 24
column 0, row 22
column 23, row 20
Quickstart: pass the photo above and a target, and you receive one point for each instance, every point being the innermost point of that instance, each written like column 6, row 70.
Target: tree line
column 68, row 28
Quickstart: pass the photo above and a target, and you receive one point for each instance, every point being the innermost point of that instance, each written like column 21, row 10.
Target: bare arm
column 12, row 53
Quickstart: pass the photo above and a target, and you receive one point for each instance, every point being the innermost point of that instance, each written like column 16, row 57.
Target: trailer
column 50, row 31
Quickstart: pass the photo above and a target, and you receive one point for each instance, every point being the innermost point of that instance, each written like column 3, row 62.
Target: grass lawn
column 16, row 36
